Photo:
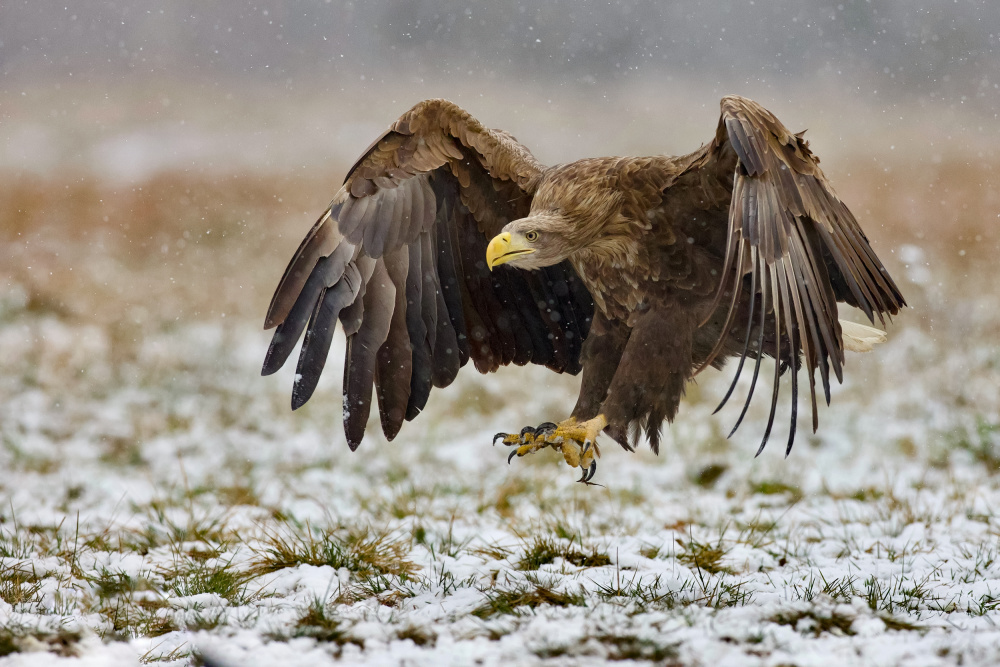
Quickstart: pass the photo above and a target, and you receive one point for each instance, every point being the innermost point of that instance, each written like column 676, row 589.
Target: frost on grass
column 188, row 511
column 161, row 503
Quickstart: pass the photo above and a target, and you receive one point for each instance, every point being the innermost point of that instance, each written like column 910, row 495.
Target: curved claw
column 499, row 436
column 528, row 430
column 588, row 475
column 510, row 458
column 545, row 428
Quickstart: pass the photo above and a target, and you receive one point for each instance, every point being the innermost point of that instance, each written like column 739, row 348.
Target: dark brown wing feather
column 802, row 248
column 400, row 259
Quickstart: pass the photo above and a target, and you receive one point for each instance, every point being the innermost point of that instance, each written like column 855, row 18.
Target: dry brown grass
column 950, row 207
column 177, row 245
column 184, row 246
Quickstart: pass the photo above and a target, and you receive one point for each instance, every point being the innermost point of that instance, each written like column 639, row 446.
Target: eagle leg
column 577, row 441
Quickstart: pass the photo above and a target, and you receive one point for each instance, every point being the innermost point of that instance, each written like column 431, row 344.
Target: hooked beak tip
column 498, row 248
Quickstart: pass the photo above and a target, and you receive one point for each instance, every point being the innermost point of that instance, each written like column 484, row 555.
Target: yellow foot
column 576, row 440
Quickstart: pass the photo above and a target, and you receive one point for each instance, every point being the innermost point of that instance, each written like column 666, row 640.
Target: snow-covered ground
column 161, row 502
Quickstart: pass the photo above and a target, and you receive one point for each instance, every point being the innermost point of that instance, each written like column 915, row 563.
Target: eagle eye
column 531, row 236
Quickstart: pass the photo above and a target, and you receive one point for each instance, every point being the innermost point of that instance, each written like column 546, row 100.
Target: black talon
column 513, row 453
column 589, row 475
column 545, row 428
column 501, row 436
column 526, row 430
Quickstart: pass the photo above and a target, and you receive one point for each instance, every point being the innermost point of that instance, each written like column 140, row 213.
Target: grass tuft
column 631, row 647
column 775, row 488
column 814, row 622
column 20, row 586
column 419, row 635
column 126, row 619
column 528, row 595
column 15, row 544
column 361, row 551
column 195, row 576
column 710, row 474
column 388, row 590
column 639, row 592
column 704, row 557
column 546, row 550
column 317, row 621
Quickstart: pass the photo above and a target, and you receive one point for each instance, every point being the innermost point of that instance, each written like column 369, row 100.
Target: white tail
column 860, row 338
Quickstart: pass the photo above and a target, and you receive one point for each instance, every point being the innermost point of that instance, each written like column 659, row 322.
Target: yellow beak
column 505, row 247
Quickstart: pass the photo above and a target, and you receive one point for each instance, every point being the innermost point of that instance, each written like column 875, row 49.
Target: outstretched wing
column 399, row 258
column 802, row 248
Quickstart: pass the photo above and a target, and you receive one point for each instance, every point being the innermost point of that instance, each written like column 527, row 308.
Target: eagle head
column 534, row 242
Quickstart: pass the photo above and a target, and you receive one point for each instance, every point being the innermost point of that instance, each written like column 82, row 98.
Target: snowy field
column 161, row 504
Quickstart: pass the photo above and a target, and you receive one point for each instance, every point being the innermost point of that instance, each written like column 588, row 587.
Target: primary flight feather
column 448, row 242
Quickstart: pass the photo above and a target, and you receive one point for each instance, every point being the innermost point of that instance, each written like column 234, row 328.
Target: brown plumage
column 638, row 271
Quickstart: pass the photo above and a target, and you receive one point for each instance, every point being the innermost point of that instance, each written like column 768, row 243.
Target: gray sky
column 918, row 49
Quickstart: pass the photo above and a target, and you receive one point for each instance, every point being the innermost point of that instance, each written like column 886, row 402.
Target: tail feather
column 860, row 338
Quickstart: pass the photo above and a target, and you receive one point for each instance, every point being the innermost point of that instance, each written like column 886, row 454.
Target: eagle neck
column 613, row 268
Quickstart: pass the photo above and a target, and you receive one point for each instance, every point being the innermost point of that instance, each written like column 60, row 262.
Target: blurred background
column 161, row 161
column 159, row 164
